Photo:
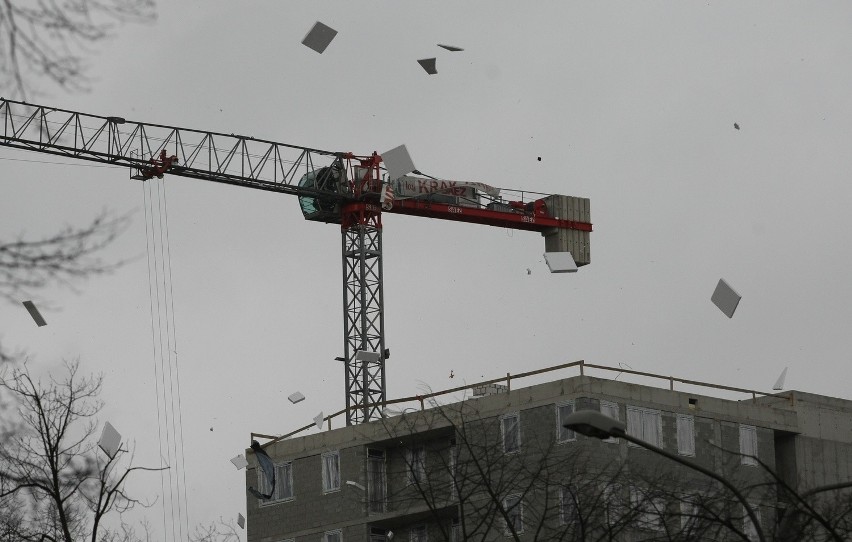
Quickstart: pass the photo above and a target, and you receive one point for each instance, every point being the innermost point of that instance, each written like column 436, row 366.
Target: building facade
column 503, row 467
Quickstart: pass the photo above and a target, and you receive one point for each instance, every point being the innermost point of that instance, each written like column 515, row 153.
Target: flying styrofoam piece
column 725, row 298
column 241, row 521
column 452, row 48
column 428, row 64
column 31, row 308
column 560, row 262
column 319, row 37
column 239, row 462
column 318, row 419
column 779, row 384
column 296, row 397
column 398, row 162
column 110, row 440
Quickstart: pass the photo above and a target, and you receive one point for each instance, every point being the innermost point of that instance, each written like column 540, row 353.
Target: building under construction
column 499, row 464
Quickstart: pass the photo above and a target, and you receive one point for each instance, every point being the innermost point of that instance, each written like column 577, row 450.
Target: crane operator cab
column 326, row 181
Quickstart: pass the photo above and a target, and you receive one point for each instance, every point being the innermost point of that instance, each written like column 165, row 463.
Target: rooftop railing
column 507, row 381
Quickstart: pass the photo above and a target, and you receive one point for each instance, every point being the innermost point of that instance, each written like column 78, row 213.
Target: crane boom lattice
column 333, row 187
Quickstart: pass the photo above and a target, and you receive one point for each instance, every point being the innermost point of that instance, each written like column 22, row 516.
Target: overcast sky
column 632, row 105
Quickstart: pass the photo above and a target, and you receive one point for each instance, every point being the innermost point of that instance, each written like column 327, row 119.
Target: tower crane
column 341, row 188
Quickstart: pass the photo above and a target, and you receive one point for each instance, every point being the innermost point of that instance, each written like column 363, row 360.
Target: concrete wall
column 717, row 422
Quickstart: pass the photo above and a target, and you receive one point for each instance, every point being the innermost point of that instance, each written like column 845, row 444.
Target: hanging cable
column 163, row 338
column 175, row 351
column 168, row 393
column 148, row 237
column 171, row 343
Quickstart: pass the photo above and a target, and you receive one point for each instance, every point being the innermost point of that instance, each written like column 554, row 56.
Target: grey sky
column 629, row 104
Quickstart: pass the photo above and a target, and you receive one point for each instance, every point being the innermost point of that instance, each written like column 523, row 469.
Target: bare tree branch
column 27, row 265
column 44, row 40
column 54, row 483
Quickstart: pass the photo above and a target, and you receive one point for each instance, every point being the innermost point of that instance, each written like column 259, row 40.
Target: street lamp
column 594, row 424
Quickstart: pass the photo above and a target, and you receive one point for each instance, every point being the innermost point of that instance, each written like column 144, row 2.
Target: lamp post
column 594, row 424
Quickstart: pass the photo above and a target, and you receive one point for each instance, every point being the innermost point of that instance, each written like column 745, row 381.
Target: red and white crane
column 333, row 187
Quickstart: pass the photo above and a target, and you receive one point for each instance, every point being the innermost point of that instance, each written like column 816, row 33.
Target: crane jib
column 333, row 187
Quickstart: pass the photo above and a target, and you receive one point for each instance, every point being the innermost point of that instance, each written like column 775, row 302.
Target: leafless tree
column 55, row 485
column 47, row 40
column 472, row 489
column 449, row 466
column 217, row 531
column 27, row 265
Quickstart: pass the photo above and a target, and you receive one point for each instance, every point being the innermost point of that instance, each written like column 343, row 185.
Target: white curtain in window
column 748, row 526
column 333, row 536
column 415, row 459
column 283, row 481
column 748, row 444
column 610, row 409
column 515, row 511
column 568, row 509
column 634, row 422
column 614, row 504
column 652, row 427
column 330, row 471
column 454, row 482
column 563, row 411
column 511, row 433
column 685, row 434
column 649, row 510
column 645, row 424
column 376, row 481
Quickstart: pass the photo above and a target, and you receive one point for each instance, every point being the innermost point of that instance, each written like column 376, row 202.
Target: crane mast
column 333, row 187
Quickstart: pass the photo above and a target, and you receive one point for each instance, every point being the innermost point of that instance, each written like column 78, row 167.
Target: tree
column 456, row 466
column 29, row 264
column 45, row 40
column 216, row 531
column 453, row 463
column 55, row 484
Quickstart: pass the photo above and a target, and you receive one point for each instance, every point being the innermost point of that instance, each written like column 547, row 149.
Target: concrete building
column 501, row 465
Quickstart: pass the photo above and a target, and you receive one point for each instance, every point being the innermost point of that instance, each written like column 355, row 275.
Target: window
column 514, row 508
column 614, row 505
column 645, row 424
column 376, row 480
column 415, row 461
column 453, row 463
column 563, row 410
column 610, row 409
column 689, row 507
column 418, row 533
column 748, row 526
column 455, row 532
column 511, row 427
column 378, row 534
column 333, row 536
column 748, row 445
column 283, row 482
column 685, row 434
column 569, row 511
column 330, row 471
column 649, row 510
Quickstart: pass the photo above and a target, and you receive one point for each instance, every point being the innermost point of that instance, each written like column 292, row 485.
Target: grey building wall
column 807, row 440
